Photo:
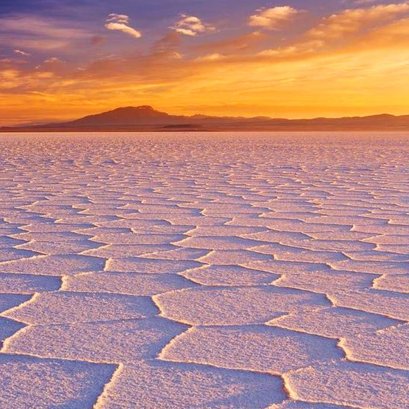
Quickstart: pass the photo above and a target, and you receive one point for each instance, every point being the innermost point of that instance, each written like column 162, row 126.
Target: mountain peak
column 143, row 114
column 137, row 108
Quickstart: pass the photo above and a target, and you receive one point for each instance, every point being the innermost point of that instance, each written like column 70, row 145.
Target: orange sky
column 280, row 61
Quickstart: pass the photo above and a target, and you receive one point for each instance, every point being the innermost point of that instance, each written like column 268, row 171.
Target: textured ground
column 204, row 271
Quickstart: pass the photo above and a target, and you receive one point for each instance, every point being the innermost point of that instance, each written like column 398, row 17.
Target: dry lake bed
column 204, row 270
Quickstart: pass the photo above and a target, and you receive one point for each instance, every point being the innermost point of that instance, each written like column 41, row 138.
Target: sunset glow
column 62, row 60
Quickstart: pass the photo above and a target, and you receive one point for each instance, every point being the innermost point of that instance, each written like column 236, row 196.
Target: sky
column 63, row 59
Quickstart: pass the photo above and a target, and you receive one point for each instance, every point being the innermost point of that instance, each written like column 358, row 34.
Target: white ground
column 204, row 271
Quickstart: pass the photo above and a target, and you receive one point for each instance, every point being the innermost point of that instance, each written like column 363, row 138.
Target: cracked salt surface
column 253, row 271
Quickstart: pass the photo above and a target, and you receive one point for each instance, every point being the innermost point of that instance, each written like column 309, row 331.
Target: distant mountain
column 145, row 118
column 128, row 116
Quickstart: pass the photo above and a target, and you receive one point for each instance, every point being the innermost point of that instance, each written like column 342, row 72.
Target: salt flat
column 256, row 271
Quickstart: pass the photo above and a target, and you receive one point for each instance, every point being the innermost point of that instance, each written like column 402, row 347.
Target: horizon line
column 43, row 122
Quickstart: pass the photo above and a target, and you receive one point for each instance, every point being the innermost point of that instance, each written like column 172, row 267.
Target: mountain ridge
column 146, row 118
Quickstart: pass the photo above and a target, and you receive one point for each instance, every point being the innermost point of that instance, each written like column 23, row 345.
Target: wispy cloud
column 363, row 27
column 351, row 21
column 36, row 25
column 272, row 18
column 38, row 33
column 21, row 52
column 191, row 26
column 120, row 22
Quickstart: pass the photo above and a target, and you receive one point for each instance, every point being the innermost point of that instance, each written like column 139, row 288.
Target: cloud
column 272, row 18
column 38, row 26
column 118, row 18
column 298, row 50
column 52, row 60
column 120, row 22
column 39, row 33
column 364, row 28
column 23, row 53
column 241, row 43
column 211, row 57
column 191, row 26
column 351, row 21
column 363, row 2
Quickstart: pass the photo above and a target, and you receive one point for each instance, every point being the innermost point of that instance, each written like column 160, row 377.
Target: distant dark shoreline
column 179, row 130
column 167, row 129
